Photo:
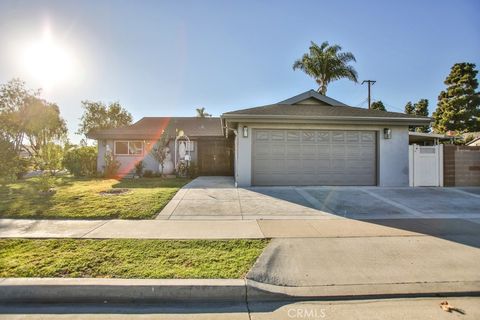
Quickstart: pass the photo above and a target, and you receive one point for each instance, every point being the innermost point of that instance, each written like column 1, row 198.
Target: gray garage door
column 314, row 157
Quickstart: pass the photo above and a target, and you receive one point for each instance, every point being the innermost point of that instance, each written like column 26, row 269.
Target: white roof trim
column 426, row 134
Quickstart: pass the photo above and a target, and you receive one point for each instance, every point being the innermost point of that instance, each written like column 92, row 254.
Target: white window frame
column 128, row 148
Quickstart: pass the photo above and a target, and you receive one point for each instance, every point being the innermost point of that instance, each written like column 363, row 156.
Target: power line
column 390, row 106
column 361, row 103
column 370, row 83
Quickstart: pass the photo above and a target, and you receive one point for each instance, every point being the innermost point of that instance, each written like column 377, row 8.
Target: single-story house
column 309, row 139
column 209, row 150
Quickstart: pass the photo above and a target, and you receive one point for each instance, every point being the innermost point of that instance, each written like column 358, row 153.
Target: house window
column 128, row 148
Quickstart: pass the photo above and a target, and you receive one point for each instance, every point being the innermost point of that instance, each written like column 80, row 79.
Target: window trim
column 128, row 148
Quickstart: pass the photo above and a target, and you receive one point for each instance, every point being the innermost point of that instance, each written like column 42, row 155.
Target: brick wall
column 461, row 166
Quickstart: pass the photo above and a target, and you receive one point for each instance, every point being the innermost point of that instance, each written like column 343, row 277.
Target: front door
column 215, row 157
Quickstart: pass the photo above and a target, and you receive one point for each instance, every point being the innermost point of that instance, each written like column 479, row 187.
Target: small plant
column 192, row 170
column 45, row 184
column 148, row 174
column 50, row 158
column 111, row 166
column 182, row 169
column 139, row 168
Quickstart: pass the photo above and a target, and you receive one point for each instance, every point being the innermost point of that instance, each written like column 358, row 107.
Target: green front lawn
column 86, row 198
column 126, row 258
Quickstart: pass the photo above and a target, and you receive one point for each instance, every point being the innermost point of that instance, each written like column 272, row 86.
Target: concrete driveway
column 216, row 198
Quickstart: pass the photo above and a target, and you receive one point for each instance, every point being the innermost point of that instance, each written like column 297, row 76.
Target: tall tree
column 201, row 113
column 409, row 108
column 378, row 105
column 326, row 63
column 28, row 122
column 14, row 98
column 458, row 107
column 97, row 116
column 421, row 109
column 43, row 125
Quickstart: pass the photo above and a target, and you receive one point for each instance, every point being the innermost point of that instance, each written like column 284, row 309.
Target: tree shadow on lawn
column 27, row 199
column 25, row 196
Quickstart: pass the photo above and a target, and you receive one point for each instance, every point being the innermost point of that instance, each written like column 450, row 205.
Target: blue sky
column 165, row 58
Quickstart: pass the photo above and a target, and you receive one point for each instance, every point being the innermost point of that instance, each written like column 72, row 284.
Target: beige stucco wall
column 393, row 153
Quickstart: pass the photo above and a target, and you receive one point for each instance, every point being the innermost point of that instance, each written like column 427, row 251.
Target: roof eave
column 352, row 119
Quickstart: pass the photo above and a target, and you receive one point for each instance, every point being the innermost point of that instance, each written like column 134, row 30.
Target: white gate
column 426, row 166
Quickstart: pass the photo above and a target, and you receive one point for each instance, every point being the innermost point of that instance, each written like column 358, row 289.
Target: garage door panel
column 323, row 137
column 277, row 136
column 314, row 157
column 293, row 151
column 323, row 151
column 293, row 135
column 308, row 136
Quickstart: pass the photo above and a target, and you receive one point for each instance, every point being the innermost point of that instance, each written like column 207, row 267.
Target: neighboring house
column 209, row 150
column 474, row 143
column 475, row 138
column 311, row 139
column 428, row 139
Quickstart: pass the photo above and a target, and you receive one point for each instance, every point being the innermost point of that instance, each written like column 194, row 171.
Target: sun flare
column 47, row 61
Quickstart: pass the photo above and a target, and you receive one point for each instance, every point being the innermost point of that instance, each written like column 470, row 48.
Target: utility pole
column 370, row 83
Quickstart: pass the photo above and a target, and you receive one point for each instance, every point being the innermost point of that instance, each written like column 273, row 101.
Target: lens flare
column 47, row 61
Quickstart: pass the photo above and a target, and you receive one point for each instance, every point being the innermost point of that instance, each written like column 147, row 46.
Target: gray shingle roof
column 152, row 128
column 314, row 110
column 326, row 108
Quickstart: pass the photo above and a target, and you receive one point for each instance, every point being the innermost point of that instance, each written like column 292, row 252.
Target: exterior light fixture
column 245, row 132
column 387, row 133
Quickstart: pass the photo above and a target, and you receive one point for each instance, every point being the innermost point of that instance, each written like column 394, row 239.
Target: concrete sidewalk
column 234, row 229
column 309, row 259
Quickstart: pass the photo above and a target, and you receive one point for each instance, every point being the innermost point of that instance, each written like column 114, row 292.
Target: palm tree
column 202, row 113
column 327, row 63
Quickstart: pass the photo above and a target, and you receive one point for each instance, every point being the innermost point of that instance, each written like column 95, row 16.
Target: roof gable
column 313, row 106
column 312, row 97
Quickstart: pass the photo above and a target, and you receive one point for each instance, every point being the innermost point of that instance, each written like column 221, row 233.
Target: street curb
column 257, row 291
column 91, row 290
column 73, row 290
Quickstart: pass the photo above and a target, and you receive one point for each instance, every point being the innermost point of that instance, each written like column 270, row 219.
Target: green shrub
column 110, row 169
column 8, row 161
column 148, row 174
column 23, row 166
column 139, row 168
column 45, row 183
column 81, row 162
column 192, row 170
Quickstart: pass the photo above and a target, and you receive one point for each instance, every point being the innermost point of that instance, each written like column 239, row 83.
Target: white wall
column 127, row 163
column 393, row 153
column 393, row 164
